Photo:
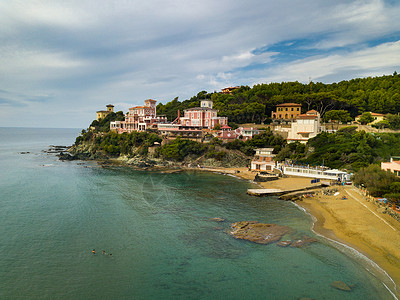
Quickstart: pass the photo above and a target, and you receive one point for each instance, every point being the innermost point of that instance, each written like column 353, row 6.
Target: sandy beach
column 353, row 221
column 357, row 223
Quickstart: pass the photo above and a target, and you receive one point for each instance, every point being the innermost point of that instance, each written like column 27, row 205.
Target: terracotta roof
column 289, row 104
column 306, row 117
column 312, row 112
column 135, row 107
column 151, row 100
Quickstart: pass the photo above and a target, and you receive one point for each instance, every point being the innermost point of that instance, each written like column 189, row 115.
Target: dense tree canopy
column 346, row 148
column 376, row 94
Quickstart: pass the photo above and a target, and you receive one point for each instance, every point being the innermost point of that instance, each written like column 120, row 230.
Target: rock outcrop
column 303, row 242
column 256, row 232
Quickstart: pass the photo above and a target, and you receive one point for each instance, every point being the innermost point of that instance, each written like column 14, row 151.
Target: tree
column 217, row 126
column 366, row 118
column 337, row 115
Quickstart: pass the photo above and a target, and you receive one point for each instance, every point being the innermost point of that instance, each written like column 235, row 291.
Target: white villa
column 305, row 126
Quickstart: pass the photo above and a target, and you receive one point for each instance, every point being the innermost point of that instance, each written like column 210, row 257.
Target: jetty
column 279, row 192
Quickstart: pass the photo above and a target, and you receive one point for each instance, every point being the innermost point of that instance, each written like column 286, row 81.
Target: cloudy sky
column 61, row 61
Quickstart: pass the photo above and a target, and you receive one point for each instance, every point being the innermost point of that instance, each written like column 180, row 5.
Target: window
column 292, row 108
column 286, row 108
column 297, row 109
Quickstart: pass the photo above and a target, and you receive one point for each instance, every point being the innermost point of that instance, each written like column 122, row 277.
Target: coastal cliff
column 157, row 156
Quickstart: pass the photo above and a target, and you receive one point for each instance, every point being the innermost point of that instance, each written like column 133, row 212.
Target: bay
column 158, row 228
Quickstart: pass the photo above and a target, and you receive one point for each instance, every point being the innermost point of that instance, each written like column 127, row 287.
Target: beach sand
column 354, row 222
column 357, row 223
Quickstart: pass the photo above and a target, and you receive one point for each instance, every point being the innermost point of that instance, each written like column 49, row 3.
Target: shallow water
column 157, row 227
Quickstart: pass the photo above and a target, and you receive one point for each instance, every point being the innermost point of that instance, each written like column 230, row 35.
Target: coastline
column 353, row 223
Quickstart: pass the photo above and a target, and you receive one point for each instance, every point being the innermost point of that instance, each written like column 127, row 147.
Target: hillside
column 248, row 105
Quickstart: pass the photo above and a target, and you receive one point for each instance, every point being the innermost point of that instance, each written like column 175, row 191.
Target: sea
column 157, row 231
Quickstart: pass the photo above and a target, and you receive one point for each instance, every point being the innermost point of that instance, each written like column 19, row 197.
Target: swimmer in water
column 110, row 255
column 94, row 251
column 103, row 252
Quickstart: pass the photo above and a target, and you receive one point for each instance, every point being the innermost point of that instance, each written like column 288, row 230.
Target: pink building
column 392, row 166
column 139, row 118
column 204, row 116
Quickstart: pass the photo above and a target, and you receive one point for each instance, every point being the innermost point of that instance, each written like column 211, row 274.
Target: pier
column 278, row 192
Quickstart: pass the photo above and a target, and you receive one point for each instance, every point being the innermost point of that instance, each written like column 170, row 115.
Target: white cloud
column 86, row 54
column 379, row 60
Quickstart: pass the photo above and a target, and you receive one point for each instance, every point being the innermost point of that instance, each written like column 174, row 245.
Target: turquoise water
column 157, row 227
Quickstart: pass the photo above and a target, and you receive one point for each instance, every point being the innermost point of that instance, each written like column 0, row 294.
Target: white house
column 263, row 160
column 305, row 126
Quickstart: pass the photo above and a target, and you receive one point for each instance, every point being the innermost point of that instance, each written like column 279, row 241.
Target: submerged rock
column 217, row 219
column 284, row 243
column 303, row 242
column 340, row 285
column 256, row 232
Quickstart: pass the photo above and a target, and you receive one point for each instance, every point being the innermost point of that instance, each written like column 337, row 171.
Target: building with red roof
column 305, row 126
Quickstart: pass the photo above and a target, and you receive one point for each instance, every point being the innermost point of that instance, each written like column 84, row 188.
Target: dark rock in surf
column 258, row 232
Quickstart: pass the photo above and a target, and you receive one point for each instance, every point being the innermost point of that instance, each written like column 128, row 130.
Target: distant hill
column 254, row 105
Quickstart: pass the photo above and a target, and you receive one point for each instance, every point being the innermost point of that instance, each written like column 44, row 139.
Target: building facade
column 204, row 116
column 101, row 114
column 305, row 126
column 392, row 166
column 228, row 90
column 286, row 111
column 263, row 160
column 377, row 118
column 139, row 118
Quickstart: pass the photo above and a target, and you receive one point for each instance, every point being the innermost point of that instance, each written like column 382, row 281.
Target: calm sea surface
column 158, row 229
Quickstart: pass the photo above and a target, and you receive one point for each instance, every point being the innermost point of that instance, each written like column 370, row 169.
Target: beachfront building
column 286, row 112
column 204, row 116
column 305, row 127
column 319, row 172
column 377, row 118
column 263, row 160
column 392, row 166
column 101, row 114
column 139, row 118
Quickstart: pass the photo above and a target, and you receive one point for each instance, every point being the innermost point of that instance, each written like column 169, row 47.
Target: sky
column 61, row 61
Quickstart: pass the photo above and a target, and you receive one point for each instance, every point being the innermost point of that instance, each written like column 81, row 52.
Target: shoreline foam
column 358, row 229
column 342, row 246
